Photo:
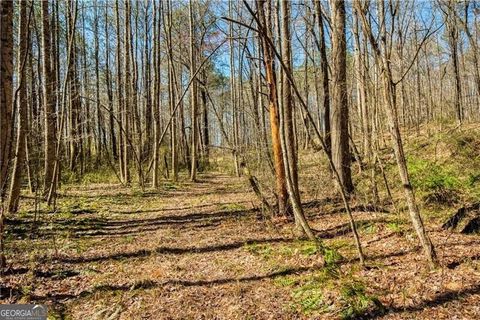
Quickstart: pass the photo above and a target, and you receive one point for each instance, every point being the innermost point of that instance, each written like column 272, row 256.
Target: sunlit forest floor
column 206, row 251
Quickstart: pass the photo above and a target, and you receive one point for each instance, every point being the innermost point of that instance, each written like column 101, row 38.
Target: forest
column 240, row 159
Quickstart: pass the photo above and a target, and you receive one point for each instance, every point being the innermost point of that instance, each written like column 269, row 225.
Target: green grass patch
column 396, row 226
column 439, row 183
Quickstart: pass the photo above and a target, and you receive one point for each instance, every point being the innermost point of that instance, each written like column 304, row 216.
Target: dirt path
column 203, row 251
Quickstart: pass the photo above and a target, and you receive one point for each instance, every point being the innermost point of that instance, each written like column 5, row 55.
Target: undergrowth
column 327, row 290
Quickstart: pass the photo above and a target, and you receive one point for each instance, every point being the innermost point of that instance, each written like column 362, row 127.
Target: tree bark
column 6, row 78
column 268, row 58
column 340, row 141
column 6, row 91
column 325, row 79
column 21, row 99
column 48, row 99
column 193, row 96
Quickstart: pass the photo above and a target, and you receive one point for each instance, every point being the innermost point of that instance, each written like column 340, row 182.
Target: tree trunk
column 288, row 143
column 273, row 108
column 120, row 89
column 172, row 95
column 21, row 99
column 6, row 91
column 193, row 97
column 127, row 81
column 48, row 99
column 453, row 43
column 108, row 83
column 6, row 78
column 340, row 146
column 74, row 134
column 325, row 84
column 156, row 94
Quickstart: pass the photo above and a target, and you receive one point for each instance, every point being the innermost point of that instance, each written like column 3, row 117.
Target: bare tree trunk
column 193, row 96
column 120, row 89
column 156, row 94
column 453, row 43
column 48, row 99
column 128, row 94
column 147, row 84
column 6, row 105
column 273, row 108
column 21, row 99
column 98, row 145
column 287, row 135
column 324, row 69
column 205, row 124
column 86, row 115
column 340, row 146
column 6, row 78
column 233, row 97
column 172, row 95
column 52, row 192
column 74, row 133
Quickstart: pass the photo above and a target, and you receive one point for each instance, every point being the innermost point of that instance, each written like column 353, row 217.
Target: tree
column 128, row 83
column 193, row 95
column 6, row 105
column 325, row 79
column 233, row 93
column 120, row 98
column 453, row 34
column 156, row 97
column 21, row 99
column 340, row 135
column 383, row 61
column 49, row 99
column 171, row 90
column 264, row 17
column 287, row 135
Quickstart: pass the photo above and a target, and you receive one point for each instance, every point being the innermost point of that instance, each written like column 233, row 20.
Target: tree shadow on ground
column 438, row 300
column 117, row 195
column 344, row 229
column 101, row 227
column 181, row 208
column 457, row 263
column 53, row 274
column 150, row 284
column 196, row 250
column 173, row 250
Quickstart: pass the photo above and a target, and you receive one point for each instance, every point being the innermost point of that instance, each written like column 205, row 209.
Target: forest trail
column 203, row 251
